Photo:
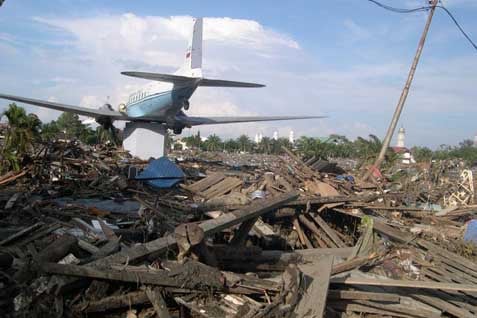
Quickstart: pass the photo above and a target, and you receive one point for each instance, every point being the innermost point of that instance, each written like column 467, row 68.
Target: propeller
column 107, row 123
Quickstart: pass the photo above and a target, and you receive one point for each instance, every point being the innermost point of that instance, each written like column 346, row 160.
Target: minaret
column 257, row 138
column 291, row 137
column 401, row 138
column 260, row 137
column 275, row 135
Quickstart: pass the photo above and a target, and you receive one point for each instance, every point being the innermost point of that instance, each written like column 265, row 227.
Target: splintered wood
column 214, row 185
column 287, row 237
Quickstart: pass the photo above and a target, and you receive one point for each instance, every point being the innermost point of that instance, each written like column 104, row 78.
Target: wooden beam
column 240, row 236
column 153, row 277
column 210, row 227
column 113, row 302
column 362, row 295
column 353, row 263
column 313, row 301
column 305, row 242
column 322, row 240
column 328, row 230
column 155, row 297
column 403, row 283
column 21, row 233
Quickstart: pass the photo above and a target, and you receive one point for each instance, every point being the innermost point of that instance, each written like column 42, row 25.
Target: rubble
column 264, row 236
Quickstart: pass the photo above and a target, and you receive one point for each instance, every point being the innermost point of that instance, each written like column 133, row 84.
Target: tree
column 213, row 143
column 276, row 145
column 245, row 143
column 265, row 145
column 306, row 145
column 231, row 145
column 70, row 124
column 422, row 153
column 19, row 139
column 193, row 141
column 49, row 131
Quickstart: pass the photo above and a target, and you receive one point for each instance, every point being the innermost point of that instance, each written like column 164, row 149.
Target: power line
column 458, row 26
column 425, row 8
column 399, row 10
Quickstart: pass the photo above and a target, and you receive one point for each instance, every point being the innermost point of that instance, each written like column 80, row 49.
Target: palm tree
column 245, row 143
column 231, row 145
column 306, row 146
column 213, row 143
column 265, row 145
column 19, row 139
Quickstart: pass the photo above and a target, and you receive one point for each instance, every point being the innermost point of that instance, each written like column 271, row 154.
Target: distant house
column 404, row 154
column 179, row 144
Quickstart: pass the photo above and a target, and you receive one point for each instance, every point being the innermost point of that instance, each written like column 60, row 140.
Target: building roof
column 400, row 149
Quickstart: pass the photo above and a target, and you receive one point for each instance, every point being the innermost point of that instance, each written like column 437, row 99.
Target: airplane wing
column 90, row 112
column 222, row 83
column 195, row 121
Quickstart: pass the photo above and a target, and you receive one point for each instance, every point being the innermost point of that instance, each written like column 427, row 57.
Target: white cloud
column 359, row 99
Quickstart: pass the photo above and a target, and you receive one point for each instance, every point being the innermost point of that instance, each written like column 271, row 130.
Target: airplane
column 164, row 98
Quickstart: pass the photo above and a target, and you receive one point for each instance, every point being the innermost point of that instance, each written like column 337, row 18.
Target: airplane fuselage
column 164, row 100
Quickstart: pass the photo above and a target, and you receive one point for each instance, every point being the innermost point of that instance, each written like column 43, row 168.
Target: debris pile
column 96, row 233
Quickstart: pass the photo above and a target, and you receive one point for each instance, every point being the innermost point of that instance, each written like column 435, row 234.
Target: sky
column 346, row 59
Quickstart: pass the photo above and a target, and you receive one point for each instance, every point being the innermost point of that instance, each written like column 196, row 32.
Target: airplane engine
column 175, row 126
column 107, row 122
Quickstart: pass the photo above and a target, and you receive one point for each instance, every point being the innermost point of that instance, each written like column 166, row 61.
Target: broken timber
column 209, row 227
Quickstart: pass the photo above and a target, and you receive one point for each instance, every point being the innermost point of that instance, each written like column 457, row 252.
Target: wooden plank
column 39, row 234
column 321, row 238
column 451, row 256
column 240, row 236
column 305, row 168
column 362, row 295
column 305, row 242
column 403, row 283
column 403, row 309
column 313, row 300
column 353, row 263
column 113, row 302
column 155, row 297
column 348, row 307
column 21, row 233
column 209, row 227
column 205, row 183
column 329, row 231
column 224, row 186
column 442, row 305
column 152, row 277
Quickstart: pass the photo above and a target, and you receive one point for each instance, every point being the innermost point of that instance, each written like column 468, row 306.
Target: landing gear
column 177, row 131
column 186, row 105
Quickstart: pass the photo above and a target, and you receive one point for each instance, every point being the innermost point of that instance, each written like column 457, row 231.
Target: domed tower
column 401, row 138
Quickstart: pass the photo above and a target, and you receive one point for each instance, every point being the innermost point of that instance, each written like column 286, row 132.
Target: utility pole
column 405, row 92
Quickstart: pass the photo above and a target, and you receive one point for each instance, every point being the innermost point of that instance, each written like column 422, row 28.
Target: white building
column 275, row 135
column 291, row 137
column 401, row 138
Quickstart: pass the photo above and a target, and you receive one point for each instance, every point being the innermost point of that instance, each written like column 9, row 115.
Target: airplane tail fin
column 192, row 67
column 193, row 57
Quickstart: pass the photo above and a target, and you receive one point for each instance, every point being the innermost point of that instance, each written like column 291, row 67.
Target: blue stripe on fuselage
column 160, row 103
